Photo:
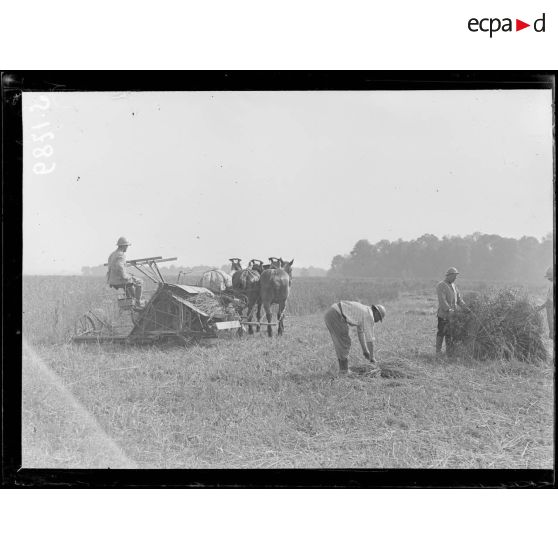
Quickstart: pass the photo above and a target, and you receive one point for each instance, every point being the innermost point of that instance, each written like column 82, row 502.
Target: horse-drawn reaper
column 175, row 312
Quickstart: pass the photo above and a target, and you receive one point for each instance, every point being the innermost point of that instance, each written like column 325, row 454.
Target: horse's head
column 235, row 264
column 288, row 267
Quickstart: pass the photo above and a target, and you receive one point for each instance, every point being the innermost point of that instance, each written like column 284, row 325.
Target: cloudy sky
column 206, row 176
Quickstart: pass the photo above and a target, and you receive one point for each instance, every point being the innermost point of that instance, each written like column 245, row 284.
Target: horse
column 275, row 263
column 259, row 266
column 274, row 289
column 247, row 281
column 256, row 265
column 235, row 264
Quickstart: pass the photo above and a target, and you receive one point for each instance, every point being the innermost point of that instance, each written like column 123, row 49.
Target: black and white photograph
column 290, row 277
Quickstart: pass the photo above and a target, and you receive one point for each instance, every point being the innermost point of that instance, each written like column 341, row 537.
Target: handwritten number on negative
column 41, row 168
column 44, row 106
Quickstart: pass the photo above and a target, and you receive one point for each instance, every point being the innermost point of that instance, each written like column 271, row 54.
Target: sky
column 207, row 176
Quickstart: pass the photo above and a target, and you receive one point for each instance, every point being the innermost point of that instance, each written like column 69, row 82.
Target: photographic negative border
column 14, row 83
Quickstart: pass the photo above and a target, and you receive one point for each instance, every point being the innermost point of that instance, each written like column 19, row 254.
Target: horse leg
column 268, row 315
column 249, row 316
column 258, row 314
column 280, row 313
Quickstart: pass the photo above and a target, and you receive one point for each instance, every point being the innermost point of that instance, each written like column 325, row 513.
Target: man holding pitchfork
column 449, row 299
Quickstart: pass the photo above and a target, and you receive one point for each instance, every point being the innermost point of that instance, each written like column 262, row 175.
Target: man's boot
column 343, row 365
column 439, row 343
column 138, row 292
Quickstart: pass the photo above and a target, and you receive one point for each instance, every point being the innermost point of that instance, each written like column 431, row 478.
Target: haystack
column 501, row 324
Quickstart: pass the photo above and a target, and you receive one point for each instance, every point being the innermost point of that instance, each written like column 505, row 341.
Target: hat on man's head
column 452, row 271
column 549, row 273
column 380, row 309
column 123, row 242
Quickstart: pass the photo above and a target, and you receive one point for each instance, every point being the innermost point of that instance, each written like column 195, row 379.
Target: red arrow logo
column 519, row 25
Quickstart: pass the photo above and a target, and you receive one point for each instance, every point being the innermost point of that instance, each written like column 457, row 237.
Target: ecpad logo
column 492, row 25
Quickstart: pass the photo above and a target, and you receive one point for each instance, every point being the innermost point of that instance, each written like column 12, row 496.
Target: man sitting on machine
column 119, row 278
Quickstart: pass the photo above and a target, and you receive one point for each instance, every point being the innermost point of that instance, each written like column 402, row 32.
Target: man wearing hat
column 117, row 275
column 549, row 303
column 346, row 313
column 448, row 300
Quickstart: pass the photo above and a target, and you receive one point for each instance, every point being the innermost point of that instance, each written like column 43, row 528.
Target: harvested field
column 271, row 403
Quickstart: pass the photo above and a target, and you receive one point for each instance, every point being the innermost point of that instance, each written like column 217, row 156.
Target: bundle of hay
column 391, row 367
column 207, row 303
column 396, row 367
column 500, row 324
column 214, row 305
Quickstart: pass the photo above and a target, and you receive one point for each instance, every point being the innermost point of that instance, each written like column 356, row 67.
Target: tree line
column 478, row 256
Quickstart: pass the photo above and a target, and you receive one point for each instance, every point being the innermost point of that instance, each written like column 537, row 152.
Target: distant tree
column 337, row 265
column 362, row 249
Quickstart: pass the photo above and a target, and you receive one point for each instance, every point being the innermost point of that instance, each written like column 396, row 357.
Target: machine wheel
column 85, row 325
column 93, row 323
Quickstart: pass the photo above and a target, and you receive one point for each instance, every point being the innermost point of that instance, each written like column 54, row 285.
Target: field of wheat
column 270, row 403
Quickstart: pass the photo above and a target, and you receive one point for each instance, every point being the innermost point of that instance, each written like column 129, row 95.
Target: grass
column 52, row 305
column 57, row 430
column 268, row 403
